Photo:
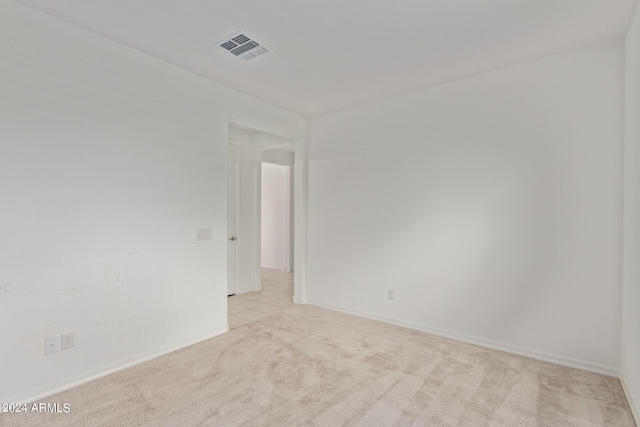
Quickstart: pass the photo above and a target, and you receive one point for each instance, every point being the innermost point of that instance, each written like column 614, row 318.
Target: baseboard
column 59, row 386
column 533, row 354
column 632, row 402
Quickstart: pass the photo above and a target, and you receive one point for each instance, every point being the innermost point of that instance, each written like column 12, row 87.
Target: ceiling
column 330, row 54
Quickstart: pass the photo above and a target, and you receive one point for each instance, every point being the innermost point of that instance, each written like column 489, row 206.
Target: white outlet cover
column 51, row 345
column 68, row 340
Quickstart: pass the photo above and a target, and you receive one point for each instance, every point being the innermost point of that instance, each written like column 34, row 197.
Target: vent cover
column 243, row 46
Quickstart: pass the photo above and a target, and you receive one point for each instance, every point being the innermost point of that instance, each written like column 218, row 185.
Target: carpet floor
column 308, row 366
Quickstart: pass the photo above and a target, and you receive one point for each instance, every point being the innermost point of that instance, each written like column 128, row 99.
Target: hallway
column 276, row 294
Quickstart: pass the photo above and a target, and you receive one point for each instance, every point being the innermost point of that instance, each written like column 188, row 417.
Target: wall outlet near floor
column 391, row 294
column 51, row 345
column 68, row 340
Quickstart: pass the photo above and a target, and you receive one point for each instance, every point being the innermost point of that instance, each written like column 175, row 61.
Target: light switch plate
column 204, row 233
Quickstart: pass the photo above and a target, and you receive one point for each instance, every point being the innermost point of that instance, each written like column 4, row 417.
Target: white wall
column 630, row 357
column 109, row 161
column 278, row 157
column 286, row 157
column 492, row 205
column 275, row 207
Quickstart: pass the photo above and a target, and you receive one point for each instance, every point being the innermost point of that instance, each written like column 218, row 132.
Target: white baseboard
column 59, row 386
column 630, row 399
column 508, row 348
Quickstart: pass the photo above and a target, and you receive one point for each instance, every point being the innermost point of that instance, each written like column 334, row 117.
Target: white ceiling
column 330, row 54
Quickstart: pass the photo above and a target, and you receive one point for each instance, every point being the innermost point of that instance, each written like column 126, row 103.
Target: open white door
column 232, row 268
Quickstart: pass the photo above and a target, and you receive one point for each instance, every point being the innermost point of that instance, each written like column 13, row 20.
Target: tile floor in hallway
column 276, row 293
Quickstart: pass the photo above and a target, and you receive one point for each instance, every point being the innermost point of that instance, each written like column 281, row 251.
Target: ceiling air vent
column 243, row 46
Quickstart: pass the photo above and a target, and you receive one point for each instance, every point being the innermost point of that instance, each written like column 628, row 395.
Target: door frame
column 300, row 203
column 300, row 191
column 289, row 232
column 237, row 216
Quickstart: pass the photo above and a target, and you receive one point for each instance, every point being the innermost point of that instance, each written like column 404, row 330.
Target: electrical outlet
column 51, row 345
column 391, row 294
column 68, row 340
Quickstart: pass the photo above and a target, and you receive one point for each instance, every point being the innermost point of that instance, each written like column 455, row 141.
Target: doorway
column 276, row 243
column 250, row 147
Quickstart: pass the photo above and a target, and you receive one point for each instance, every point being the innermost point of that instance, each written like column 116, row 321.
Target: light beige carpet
column 308, row 366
